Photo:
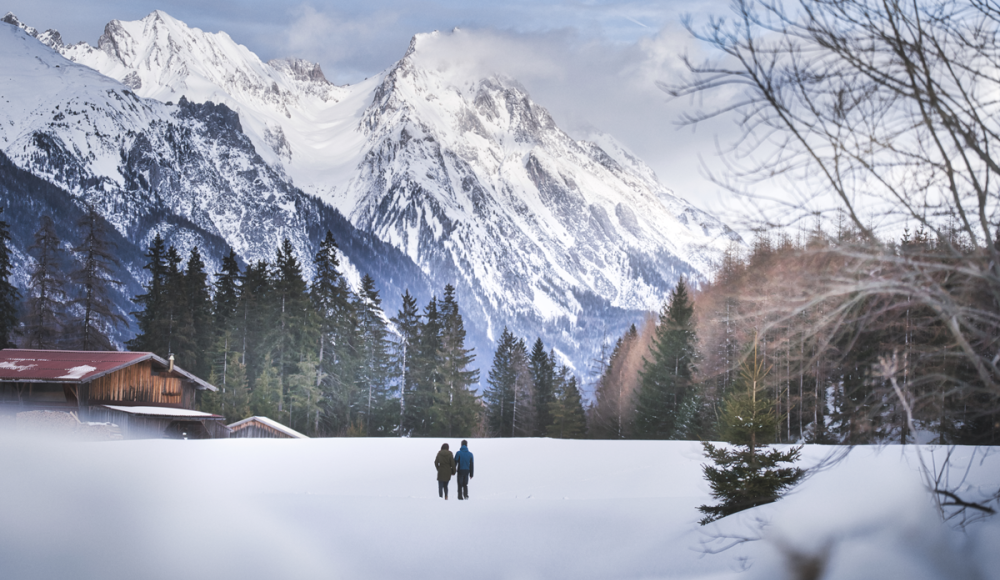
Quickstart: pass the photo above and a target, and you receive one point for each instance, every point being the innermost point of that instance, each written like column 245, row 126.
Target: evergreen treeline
column 316, row 355
column 327, row 360
column 530, row 394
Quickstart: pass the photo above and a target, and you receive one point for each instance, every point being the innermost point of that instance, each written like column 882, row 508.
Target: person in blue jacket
column 463, row 461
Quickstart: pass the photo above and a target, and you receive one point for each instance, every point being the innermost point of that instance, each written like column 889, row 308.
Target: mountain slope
column 467, row 177
column 185, row 170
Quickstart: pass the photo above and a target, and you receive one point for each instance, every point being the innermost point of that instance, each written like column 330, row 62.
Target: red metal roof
column 73, row 366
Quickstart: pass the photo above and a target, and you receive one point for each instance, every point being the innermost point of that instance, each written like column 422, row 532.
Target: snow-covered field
column 539, row 508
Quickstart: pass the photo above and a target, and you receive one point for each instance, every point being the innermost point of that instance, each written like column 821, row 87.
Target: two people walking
column 447, row 466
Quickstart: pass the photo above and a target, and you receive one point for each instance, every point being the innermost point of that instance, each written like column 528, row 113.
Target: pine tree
column 305, row 398
column 666, row 379
column 254, row 320
column 237, row 396
column 233, row 398
column 46, row 290
column 507, row 396
column 566, row 408
column 225, row 307
column 199, row 303
column 265, row 396
column 407, row 322
column 152, row 318
column 542, row 369
column 94, row 281
column 748, row 474
column 178, row 323
column 331, row 302
column 422, row 414
column 293, row 320
column 374, row 362
column 461, row 405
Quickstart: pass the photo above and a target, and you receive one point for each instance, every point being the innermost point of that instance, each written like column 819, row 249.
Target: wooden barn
column 262, row 427
column 146, row 396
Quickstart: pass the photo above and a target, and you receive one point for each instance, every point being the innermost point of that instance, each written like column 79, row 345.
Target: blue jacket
column 463, row 459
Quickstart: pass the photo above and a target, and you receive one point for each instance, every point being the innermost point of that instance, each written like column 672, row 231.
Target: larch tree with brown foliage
column 884, row 106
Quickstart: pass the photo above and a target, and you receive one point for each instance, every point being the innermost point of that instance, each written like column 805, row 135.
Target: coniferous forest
column 835, row 366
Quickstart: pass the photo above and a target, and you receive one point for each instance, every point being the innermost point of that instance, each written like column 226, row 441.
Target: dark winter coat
column 464, row 460
column 445, row 464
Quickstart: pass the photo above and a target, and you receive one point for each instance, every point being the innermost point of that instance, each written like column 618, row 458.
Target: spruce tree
column 508, row 396
column 542, row 369
column 423, row 415
column 265, row 396
column 225, row 307
column 457, row 377
column 232, row 400
column 151, row 319
column 178, row 329
column 748, row 474
column 374, row 362
column 254, row 320
column 305, row 398
column 46, row 290
column 236, row 401
column 666, row 379
column 331, row 303
column 199, row 303
column 94, row 280
column 407, row 322
column 292, row 311
column 566, row 408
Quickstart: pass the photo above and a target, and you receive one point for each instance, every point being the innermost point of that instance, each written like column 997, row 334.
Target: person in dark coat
column 466, row 468
column 445, row 464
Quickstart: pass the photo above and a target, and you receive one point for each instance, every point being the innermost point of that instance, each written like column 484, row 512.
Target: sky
column 595, row 65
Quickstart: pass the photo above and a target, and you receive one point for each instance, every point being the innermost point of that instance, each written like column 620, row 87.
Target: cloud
column 596, row 85
column 349, row 47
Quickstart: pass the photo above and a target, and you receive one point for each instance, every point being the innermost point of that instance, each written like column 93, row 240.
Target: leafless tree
column 888, row 111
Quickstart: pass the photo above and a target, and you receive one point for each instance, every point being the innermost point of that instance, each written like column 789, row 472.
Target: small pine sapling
column 748, row 474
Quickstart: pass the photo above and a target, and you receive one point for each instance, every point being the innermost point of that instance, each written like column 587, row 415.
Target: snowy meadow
column 539, row 508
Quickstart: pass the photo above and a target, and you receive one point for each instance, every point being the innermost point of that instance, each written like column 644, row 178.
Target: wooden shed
column 262, row 427
column 145, row 395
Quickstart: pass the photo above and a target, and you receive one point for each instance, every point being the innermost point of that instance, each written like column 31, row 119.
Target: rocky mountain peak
column 9, row 18
column 300, row 70
column 50, row 38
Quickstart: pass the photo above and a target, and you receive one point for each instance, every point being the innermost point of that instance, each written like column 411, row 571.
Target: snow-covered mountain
column 184, row 170
column 467, row 177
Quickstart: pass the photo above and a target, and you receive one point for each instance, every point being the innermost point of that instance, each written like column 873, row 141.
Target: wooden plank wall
column 139, row 384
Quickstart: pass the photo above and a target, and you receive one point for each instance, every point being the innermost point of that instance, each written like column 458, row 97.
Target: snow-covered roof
column 270, row 423
column 163, row 412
